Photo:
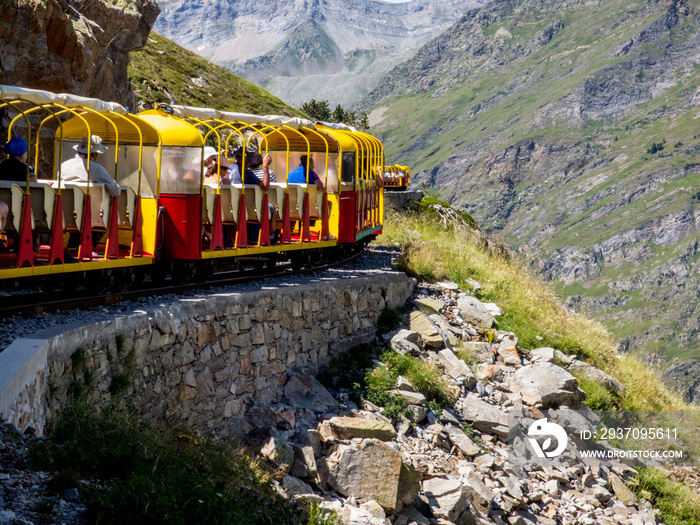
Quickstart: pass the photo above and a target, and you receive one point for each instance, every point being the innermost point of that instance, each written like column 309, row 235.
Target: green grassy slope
column 537, row 117
column 164, row 72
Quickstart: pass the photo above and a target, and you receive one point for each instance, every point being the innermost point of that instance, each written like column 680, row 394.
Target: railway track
column 46, row 302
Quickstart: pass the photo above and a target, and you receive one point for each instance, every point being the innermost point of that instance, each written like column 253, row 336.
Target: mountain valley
column 570, row 128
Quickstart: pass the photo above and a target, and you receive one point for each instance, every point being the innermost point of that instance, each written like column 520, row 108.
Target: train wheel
column 187, row 272
column 299, row 260
column 101, row 282
column 124, row 280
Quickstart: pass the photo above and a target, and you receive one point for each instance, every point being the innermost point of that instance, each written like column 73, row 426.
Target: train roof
column 39, row 97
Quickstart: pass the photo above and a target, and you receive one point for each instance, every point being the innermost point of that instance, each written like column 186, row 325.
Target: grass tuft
column 390, row 318
column 679, row 504
column 426, row 379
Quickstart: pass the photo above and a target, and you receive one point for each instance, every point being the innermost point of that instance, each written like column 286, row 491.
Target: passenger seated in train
column 75, row 169
column 380, row 178
column 258, row 173
column 15, row 166
column 217, row 166
column 299, row 175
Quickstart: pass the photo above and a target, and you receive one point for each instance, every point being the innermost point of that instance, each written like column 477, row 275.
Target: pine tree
column 363, row 121
column 317, row 110
column 339, row 114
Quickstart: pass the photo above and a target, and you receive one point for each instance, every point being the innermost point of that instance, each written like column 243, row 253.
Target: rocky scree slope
column 449, row 467
column 324, row 49
column 454, row 465
column 571, row 129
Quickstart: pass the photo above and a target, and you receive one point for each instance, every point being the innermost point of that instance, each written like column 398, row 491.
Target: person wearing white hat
column 75, row 169
column 214, row 163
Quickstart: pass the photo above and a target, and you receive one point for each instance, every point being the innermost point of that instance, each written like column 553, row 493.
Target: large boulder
column 408, row 335
column 625, row 495
column 460, row 439
column 306, row 392
column 456, row 368
column 429, row 306
column 581, row 369
column 480, row 350
column 475, row 312
column 277, row 450
column 403, row 347
column 304, row 465
column 481, row 496
column 448, row 500
column 484, row 416
column 293, row 486
column 544, row 354
column 369, row 470
column 429, row 334
column 357, row 427
column 508, row 351
column 545, row 385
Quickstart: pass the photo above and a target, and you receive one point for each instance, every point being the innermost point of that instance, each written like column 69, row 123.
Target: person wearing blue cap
column 15, row 166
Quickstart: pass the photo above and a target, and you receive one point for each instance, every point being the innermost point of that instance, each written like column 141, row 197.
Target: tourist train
column 167, row 219
column 396, row 177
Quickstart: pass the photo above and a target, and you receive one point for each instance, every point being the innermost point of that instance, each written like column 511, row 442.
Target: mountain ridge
column 260, row 42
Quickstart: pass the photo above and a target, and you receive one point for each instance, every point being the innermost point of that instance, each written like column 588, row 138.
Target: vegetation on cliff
column 163, row 72
column 132, row 470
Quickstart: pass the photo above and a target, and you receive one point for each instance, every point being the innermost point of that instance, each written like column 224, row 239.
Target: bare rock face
column 79, row 47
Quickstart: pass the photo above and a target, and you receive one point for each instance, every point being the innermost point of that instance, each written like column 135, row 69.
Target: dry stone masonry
column 210, row 361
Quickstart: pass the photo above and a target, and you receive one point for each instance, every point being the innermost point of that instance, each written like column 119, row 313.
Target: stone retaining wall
column 398, row 200
column 209, row 361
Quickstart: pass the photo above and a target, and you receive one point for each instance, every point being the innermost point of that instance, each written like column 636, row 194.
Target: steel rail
column 45, row 302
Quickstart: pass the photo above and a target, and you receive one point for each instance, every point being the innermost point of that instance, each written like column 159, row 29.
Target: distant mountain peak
column 261, row 41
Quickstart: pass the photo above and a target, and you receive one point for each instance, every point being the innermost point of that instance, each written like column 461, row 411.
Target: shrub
column 148, row 472
column 390, row 318
column 598, row 397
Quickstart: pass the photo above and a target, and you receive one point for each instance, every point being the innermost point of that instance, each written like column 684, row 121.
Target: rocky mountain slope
column 163, row 72
column 325, row 49
column 571, row 128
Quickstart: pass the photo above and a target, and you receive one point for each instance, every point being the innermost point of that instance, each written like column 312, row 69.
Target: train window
column 348, row 168
column 332, row 176
column 180, row 170
column 128, row 174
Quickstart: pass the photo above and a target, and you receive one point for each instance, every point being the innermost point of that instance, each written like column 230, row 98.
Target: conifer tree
column 317, row 109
